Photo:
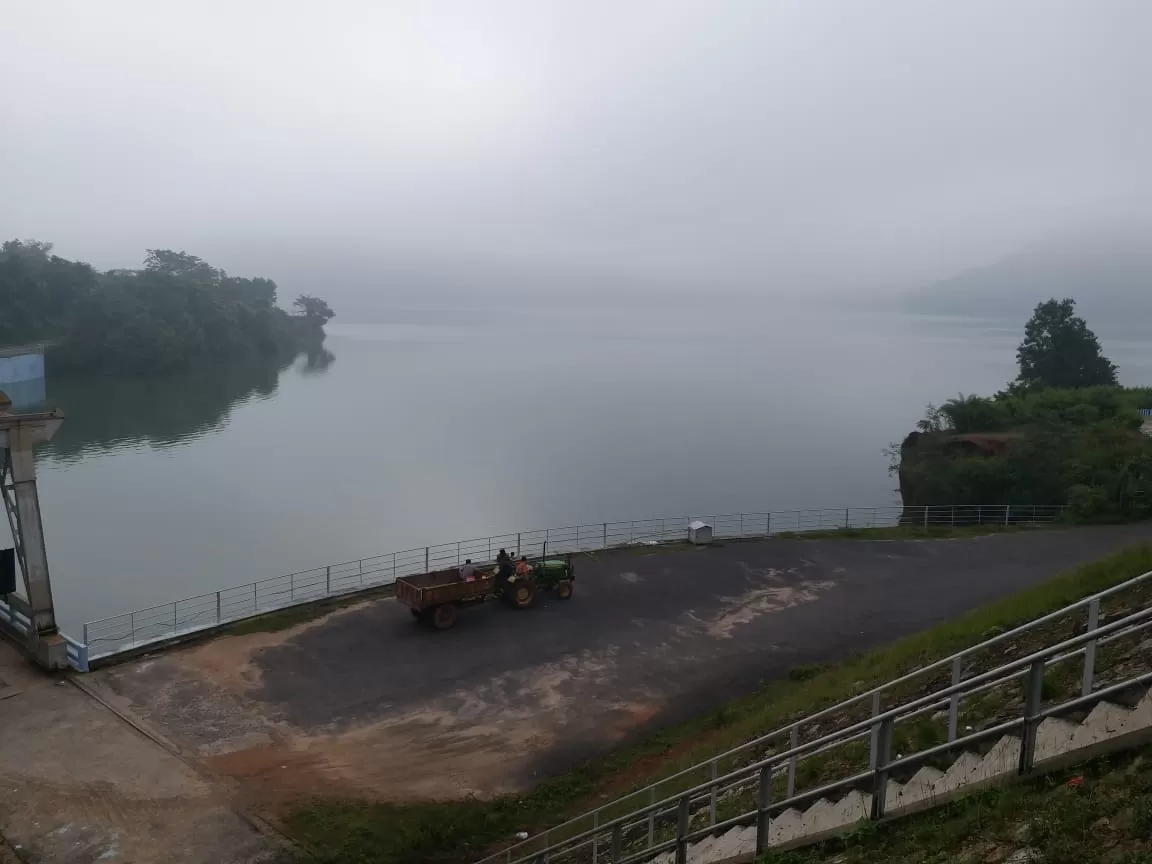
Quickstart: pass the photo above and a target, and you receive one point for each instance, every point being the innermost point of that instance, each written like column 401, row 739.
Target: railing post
column 763, row 801
column 741, row 524
column 393, row 566
column 291, row 587
column 793, row 743
column 518, row 553
column 1033, row 699
column 1007, row 510
column 617, row 838
column 425, row 559
column 1089, row 649
column 255, row 600
column 328, row 578
column 86, row 626
column 651, row 816
column 132, row 624
column 712, row 795
column 457, row 553
column 979, row 514
column 768, row 525
column 954, row 702
column 682, row 829
column 953, row 515
column 217, row 608
column 880, row 757
column 845, row 517
column 605, row 544
column 925, row 516
column 175, row 626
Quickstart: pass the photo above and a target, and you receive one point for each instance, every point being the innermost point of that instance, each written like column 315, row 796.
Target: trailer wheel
column 564, row 589
column 415, row 612
column 523, row 593
column 444, row 616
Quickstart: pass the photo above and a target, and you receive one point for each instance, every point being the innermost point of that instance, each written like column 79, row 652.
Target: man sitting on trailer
column 468, row 571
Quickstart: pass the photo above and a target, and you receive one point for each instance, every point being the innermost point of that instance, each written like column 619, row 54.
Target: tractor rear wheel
column 444, row 616
column 564, row 589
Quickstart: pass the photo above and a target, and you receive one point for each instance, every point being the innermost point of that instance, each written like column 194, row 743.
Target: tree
column 1060, row 351
column 314, row 308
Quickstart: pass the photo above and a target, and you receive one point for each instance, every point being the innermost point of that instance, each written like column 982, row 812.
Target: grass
column 1104, row 815
column 359, row 832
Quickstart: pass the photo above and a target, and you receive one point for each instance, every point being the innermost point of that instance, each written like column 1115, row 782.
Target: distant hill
column 1108, row 272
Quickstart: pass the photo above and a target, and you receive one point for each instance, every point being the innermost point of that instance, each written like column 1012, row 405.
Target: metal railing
column 130, row 630
column 757, row 781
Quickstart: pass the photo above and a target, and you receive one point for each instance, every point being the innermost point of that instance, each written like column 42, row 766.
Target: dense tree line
column 174, row 313
column 1063, row 432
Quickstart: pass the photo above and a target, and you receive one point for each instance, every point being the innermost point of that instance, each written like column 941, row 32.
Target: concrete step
column 1003, row 759
column 854, row 807
column 920, row 787
column 1140, row 717
column 785, row 827
column 959, row 772
column 1103, row 722
column 1054, row 737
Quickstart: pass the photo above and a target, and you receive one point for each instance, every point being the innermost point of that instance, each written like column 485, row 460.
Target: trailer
column 435, row 598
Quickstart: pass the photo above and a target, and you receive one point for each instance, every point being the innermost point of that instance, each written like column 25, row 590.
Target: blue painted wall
column 22, row 379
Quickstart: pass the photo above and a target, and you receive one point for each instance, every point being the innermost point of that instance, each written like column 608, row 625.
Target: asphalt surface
column 383, row 706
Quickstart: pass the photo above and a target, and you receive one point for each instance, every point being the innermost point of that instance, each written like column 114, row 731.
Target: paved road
column 365, row 701
column 78, row 785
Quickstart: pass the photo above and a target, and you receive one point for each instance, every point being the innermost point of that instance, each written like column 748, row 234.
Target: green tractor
column 550, row 574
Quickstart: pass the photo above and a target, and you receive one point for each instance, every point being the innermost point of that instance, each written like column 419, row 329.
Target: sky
column 776, row 145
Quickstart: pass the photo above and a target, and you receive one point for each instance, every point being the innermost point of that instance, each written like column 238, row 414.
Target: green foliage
column 1062, row 433
column 313, row 307
column 1060, row 351
column 1078, row 447
column 176, row 312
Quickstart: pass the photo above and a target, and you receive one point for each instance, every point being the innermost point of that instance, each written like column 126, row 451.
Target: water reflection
column 106, row 413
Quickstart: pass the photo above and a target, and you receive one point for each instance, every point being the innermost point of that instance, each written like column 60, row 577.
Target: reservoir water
column 426, row 425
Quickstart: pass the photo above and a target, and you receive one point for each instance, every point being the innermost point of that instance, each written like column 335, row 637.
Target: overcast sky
column 804, row 145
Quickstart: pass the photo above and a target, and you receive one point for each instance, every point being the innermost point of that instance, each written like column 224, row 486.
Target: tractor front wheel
column 564, row 589
column 522, row 594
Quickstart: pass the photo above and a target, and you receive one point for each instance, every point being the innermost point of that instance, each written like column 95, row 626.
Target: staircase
column 1108, row 726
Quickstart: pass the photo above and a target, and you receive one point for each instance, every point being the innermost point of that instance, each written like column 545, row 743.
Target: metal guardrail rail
column 758, row 779
column 130, row 630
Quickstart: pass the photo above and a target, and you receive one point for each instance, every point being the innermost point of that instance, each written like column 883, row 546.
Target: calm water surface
column 439, row 424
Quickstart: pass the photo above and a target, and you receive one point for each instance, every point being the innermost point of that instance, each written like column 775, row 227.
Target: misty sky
column 804, row 145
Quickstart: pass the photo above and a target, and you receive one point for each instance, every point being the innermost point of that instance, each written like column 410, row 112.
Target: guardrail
column 130, row 630
column 757, row 781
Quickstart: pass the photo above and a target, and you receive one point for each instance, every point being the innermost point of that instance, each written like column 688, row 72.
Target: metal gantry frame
column 19, row 435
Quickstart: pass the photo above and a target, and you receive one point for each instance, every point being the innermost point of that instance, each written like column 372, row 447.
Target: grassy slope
column 1100, row 811
column 373, row 833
